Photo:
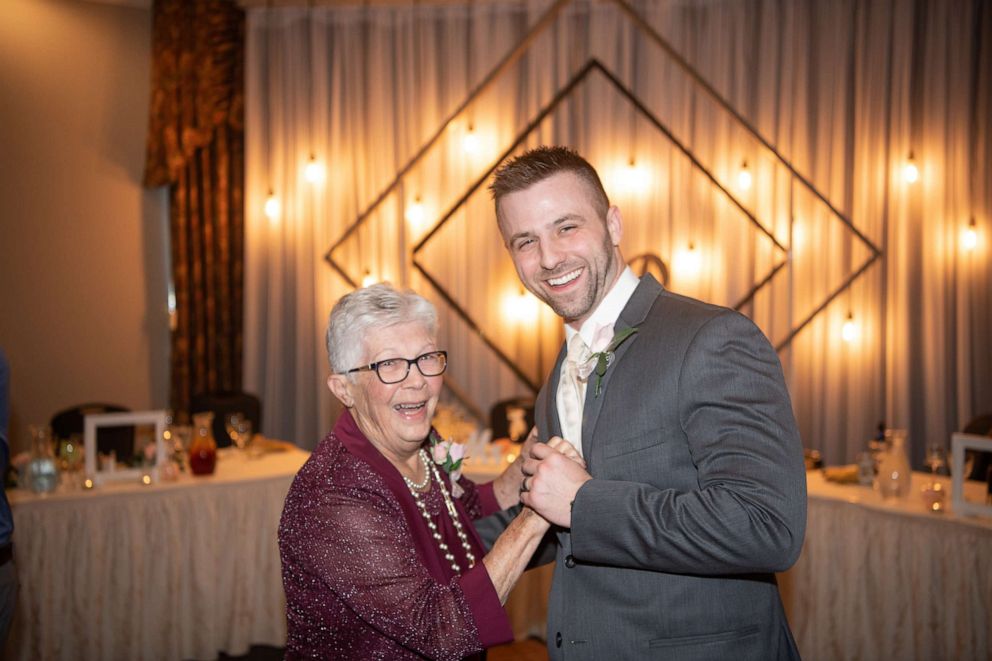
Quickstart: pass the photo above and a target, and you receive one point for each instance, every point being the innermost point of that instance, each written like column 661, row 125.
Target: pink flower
column 456, row 451
column 601, row 339
column 440, row 451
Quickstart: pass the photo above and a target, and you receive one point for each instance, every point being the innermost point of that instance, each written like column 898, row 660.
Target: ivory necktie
column 572, row 392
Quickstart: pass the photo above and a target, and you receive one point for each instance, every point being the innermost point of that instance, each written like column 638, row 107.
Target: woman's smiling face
column 395, row 417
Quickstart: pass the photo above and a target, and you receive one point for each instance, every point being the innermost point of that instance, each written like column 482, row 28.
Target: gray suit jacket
column 698, row 496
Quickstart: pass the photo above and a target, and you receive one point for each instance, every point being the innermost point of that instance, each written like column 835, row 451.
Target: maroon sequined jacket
column 364, row 579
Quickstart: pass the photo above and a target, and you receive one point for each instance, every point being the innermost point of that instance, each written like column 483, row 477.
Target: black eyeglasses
column 394, row 370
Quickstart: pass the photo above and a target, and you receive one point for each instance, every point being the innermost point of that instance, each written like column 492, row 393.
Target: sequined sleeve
column 479, row 499
column 355, row 540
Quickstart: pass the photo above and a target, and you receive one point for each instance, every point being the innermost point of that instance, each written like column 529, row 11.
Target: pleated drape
column 196, row 147
column 843, row 90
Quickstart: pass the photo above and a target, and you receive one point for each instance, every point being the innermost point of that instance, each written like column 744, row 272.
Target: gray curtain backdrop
column 844, row 91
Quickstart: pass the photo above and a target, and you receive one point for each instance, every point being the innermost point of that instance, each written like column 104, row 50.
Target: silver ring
column 523, row 486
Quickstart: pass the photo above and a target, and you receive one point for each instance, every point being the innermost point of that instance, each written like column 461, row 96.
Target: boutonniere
column 603, row 354
column 449, row 455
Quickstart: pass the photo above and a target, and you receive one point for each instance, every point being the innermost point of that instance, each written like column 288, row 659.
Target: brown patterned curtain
column 196, row 147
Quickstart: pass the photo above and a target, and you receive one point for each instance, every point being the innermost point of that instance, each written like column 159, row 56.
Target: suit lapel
column 632, row 315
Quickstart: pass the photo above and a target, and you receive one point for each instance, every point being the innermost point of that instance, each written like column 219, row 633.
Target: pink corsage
column 449, row 455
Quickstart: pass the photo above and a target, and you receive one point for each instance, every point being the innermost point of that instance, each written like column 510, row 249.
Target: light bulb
column 969, row 237
column 470, row 141
column 910, row 173
column 636, row 177
column 798, row 234
column 314, row 172
column 415, row 213
column 687, row 262
column 850, row 331
column 368, row 279
column 744, row 179
column 272, row 207
column 520, row 306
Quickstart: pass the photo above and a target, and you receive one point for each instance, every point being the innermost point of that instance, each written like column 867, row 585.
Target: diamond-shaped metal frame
column 594, row 65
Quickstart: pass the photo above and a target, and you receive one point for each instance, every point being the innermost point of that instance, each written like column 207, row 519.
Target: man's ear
column 340, row 386
column 614, row 224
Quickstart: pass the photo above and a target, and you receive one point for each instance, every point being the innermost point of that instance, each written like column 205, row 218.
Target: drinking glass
column 231, row 424
column 242, row 433
column 935, row 458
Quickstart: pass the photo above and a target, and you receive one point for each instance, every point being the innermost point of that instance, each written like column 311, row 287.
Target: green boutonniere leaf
column 605, row 358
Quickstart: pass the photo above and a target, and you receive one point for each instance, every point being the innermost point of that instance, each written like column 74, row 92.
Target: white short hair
column 359, row 313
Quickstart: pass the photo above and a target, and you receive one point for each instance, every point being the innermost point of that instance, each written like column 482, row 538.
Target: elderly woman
column 379, row 555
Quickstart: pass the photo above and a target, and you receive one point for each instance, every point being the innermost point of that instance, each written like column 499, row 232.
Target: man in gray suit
column 694, row 491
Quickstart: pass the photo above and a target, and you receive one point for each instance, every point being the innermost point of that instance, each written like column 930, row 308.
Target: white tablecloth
column 889, row 580
column 177, row 570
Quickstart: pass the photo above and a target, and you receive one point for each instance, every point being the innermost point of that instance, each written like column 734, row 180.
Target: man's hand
column 553, row 472
column 508, row 486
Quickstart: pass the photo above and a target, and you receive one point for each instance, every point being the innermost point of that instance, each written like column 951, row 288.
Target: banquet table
column 173, row 570
column 889, row 579
column 876, row 579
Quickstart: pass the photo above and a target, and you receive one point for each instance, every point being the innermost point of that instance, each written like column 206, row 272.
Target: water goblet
column 242, row 434
column 935, row 458
column 231, row 423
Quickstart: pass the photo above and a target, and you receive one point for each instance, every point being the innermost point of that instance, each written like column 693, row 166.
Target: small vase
column 42, row 470
column 894, row 475
column 203, row 447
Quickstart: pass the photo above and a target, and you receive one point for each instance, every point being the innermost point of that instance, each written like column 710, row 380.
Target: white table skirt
column 187, row 569
column 173, row 571
column 876, row 580
column 889, row 580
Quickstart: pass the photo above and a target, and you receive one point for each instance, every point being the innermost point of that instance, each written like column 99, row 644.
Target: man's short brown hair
column 535, row 165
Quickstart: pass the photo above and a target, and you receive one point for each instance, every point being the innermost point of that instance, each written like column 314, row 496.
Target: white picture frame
column 93, row 422
column 959, row 502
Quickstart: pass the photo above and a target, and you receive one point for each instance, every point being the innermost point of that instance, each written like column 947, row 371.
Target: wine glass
column 935, row 458
column 242, row 433
column 232, row 421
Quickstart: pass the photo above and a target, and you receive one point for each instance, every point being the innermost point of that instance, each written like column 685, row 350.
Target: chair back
column 224, row 403
column 512, row 418
column 980, row 426
column 70, row 421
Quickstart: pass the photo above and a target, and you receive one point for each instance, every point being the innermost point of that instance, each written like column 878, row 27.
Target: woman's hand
column 507, row 486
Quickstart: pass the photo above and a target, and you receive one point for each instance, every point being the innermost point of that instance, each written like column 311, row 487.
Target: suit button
column 569, row 561
column 558, row 639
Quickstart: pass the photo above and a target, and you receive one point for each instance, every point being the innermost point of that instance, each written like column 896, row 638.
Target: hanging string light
column 910, row 173
column 415, row 213
column 314, row 171
column 688, row 263
column 273, row 209
column 744, row 179
column 520, row 306
column 850, row 331
column 969, row 237
column 637, row 176
column 470, row 141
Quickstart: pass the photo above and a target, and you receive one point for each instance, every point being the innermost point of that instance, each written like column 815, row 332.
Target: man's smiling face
column 565, row 253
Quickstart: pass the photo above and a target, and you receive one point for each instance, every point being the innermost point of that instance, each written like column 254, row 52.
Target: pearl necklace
column 429, row 469
column 415, row 486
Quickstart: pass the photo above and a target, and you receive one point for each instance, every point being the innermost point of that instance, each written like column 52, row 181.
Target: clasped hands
column 552, row 475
